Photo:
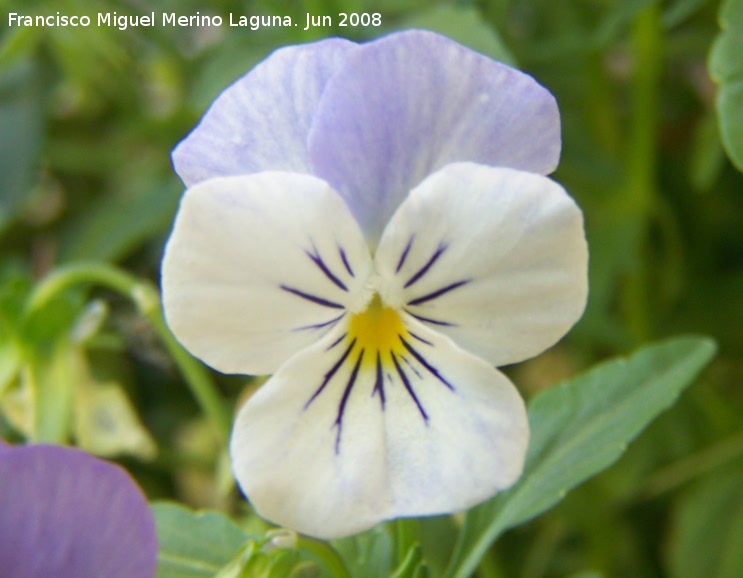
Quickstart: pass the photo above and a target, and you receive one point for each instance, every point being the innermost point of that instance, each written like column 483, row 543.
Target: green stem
column 647, row 51
column 147, row 300
column 642, row 153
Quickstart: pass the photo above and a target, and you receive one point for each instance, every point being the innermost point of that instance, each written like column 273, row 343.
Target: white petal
column 258, row 267
column 323, row 449
column 493, row 257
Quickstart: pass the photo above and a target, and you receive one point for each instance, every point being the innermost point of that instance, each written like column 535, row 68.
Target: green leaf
column 726, row 68
column 10, row 364
column 708, row 538
column 680, row 11
column 194, row 544
column 465, row 26
column 578, row 429
column 52, row 378
column 370, row 553
column 114, row 226
column 21, row 133
column 13, row 291
column 411, row 564
column 707, row 155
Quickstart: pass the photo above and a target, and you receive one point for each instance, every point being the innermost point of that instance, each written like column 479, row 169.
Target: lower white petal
column 340, row 439
column 260, row 266
column 495, row 258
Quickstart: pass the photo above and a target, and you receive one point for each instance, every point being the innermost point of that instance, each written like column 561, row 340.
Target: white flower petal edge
column 261, row 122
column 344, row 435
column 258, row 267
column 495, row 258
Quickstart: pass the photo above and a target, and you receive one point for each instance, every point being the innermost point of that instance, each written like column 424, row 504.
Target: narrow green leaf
column 708, row 537
column 408, row 568
column 578, row 429
column 194, row 544
column 10, row 363
column 707, row 155
column 21, row 132
column 52, row 377
column 114, row 226
column 679, row 11
column 726, row 68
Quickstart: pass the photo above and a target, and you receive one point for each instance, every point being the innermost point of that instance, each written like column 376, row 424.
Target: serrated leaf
column 194, row 544
column 726, row 68
column 578, row 429
column 708, row 538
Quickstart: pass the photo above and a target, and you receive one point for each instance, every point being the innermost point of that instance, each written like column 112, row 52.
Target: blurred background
column 88, row 117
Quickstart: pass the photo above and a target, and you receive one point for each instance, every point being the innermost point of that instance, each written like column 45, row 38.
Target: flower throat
column 378, row 331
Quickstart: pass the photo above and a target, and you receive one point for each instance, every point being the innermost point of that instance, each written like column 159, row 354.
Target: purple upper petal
column 404, row 106
column 67, row 514
column 261, row 121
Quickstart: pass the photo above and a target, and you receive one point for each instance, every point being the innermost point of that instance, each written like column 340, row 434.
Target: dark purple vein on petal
column 408, row 387
column 404, row 255
column 423, row 270
column 438, row 293
column 329, row 375
column 344, row 400
column 422, row 360
column 419, row 338
column 346, row 264
column 312, row 298
column 317, row 260
column 379, row 381
column 429, row 320
column 320, row 325
column 336, row 342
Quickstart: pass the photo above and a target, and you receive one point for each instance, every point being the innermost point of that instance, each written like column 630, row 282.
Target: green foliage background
column 651, row 95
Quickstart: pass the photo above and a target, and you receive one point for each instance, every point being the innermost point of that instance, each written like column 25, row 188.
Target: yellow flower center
column 378, row 331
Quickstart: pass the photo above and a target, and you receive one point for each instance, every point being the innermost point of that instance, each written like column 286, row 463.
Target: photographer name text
column 171, row 19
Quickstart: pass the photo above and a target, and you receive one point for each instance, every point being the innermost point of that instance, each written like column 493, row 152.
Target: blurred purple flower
column 66, row 514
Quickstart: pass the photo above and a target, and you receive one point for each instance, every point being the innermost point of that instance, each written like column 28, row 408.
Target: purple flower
column 371, row 224
column 66, row 514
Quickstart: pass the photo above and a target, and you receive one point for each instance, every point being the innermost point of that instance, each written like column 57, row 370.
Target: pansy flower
column 371, row 225
column 66, row 514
